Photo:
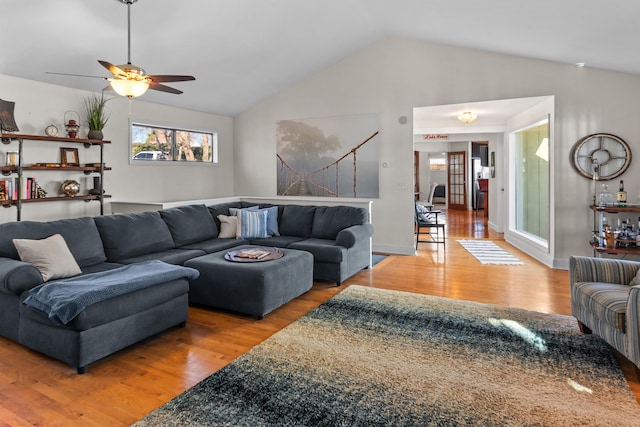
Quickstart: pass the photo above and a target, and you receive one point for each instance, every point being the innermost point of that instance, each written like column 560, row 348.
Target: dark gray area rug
column 371, row 357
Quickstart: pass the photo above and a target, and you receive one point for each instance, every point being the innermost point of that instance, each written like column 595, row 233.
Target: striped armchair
column 605, row 301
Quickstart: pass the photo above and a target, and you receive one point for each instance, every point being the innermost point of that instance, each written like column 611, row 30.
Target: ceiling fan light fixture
column 467, row 117
column 129, row 88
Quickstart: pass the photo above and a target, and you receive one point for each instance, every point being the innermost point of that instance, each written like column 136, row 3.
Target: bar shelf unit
column 598, row 213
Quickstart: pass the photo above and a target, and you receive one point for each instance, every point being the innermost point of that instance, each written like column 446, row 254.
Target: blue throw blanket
column 62, row 300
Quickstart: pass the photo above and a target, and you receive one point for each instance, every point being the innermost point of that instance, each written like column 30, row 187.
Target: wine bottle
column 621, row 196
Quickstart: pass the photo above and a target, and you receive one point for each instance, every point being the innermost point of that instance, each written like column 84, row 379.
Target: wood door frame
column 416, row 174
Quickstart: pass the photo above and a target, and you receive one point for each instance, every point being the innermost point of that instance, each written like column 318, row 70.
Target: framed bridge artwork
column 328, row 157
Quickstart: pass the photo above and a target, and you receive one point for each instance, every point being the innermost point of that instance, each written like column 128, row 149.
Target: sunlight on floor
column 579, row 387
column 524, row 333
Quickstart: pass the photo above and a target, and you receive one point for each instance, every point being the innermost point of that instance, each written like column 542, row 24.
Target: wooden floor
column 36, row 390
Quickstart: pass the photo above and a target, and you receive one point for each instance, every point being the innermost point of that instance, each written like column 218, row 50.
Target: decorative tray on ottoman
column 253, row 254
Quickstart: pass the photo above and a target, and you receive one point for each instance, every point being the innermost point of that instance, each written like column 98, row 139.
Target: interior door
column 457, row 180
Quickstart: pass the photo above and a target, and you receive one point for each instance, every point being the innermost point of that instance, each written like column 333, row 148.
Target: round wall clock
column 607, row 153
column 51, row 130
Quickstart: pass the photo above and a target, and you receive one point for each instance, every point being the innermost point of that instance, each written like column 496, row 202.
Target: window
column 438, row 164
column 155, row 143
column 532, row 180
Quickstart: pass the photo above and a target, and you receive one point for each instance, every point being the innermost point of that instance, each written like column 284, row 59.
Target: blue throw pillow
column 421, row 209
column 272, row 219
column 253, row 224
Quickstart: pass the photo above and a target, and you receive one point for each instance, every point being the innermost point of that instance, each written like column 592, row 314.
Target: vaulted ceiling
column 243, row 51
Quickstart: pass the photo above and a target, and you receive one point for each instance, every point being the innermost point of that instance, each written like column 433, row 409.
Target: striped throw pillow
column 253, row 224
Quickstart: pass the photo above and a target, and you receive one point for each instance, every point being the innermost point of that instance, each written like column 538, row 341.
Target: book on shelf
column 9, row 188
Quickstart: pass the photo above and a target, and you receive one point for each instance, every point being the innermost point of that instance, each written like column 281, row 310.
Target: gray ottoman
column 251, row 288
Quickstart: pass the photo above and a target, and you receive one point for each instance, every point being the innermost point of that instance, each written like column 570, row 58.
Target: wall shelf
column 8, row 170
column 84, row 197
column 8, row 138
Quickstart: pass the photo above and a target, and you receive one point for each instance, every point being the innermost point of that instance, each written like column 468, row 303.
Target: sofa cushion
column 253, row 224
column 276, row 241
column 222, row 209
column 80, row 234
column 272, row 220
column 51, row 256
column 297, row 220
column 104, row 266
column 131, row 235
column 215, row 245
column 189, row 224
column 328, row 221
column 170, row 256
column 117, row 307
column 606, row 301
column 228, row 226
column 323, row 250
column 272, row 217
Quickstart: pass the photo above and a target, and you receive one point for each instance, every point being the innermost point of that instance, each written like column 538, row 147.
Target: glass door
column 457, row 180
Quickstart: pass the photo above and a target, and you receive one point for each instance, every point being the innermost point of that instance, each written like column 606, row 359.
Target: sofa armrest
column 17, row 276
column 633, row 325
column 606, row 270
column 351, row 235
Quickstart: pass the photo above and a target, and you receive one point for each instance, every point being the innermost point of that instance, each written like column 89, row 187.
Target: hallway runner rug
column 488, row 252
column 374, row 357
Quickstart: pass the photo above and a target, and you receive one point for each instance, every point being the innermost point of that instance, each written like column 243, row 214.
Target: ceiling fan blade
column 116, row 71
column 170, row 78
column 163, row 88
column 108, row 87
column 75, row 75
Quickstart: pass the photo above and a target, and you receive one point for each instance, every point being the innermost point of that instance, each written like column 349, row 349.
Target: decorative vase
column 95, row 134
column 95, row 191
column 70, row 188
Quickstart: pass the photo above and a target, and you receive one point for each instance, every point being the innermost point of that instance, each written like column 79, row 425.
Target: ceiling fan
column 130, row 80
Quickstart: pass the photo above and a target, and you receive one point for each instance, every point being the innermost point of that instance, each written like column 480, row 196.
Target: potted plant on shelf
column 97, row 115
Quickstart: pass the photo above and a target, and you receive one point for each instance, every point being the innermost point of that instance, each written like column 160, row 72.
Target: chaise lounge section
column 101, row 329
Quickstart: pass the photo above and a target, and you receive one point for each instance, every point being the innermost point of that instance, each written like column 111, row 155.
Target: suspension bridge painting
column 328, row 157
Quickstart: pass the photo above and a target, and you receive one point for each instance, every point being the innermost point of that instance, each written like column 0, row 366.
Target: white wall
column 39, row 104
column 394, row 75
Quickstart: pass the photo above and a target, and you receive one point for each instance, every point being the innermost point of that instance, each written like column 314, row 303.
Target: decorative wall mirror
column 607, row 153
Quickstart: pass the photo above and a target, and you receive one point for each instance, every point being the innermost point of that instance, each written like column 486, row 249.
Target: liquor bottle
column 605, row 198
column 621, row 196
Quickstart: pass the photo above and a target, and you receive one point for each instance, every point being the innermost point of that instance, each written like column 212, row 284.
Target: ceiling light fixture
column 467, row 117
column 129, row 88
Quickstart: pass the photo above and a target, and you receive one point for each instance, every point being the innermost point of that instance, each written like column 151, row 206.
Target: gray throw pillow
column 51, row 256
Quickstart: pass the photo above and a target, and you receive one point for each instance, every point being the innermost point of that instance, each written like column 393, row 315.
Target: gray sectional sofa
column 339, row 238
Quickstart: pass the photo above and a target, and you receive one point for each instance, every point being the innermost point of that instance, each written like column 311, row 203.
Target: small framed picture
column 69, row 157
column 7, row 121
